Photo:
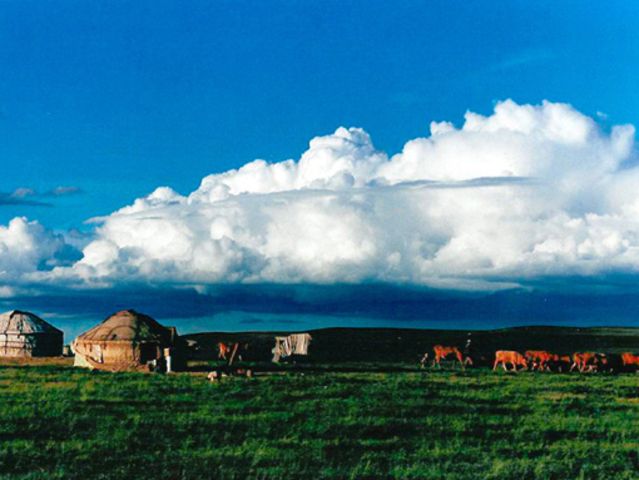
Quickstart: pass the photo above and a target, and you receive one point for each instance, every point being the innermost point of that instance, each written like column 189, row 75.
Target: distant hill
column 335, row 345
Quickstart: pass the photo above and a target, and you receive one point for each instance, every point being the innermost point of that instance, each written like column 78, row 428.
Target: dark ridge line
column 420, row 330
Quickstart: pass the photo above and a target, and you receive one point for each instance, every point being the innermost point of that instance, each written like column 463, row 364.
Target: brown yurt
column 127, row 340
column 23, row 334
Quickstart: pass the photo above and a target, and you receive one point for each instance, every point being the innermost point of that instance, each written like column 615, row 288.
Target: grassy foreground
column 59, row 422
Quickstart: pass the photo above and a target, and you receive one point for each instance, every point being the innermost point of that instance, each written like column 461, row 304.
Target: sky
column 448, row 148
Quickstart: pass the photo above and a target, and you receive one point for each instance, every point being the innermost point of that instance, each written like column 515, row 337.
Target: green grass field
column 60, row 422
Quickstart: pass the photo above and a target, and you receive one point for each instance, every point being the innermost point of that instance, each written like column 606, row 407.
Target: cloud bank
column 524, row 195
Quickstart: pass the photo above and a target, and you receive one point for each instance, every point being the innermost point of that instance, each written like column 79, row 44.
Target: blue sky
column 528, row 205
column 119, row 97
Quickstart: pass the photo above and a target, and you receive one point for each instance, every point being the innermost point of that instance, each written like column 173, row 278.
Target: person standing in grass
column 467, row 352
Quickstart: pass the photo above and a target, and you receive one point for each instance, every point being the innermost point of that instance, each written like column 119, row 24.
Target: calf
column 516, row 359
column 442, row 353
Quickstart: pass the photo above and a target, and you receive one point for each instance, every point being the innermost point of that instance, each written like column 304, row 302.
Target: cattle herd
column 510, row 360
column 539, row 360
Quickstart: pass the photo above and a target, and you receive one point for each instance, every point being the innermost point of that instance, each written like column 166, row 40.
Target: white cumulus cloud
column 27, row 247
column 530, row 191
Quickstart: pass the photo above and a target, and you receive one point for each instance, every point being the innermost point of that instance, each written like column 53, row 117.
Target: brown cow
column 442, row 353
column 588, row 361
column 540, row 359
column 629, row 360
column 508, row 356
column 230, row 351
column 223, row 350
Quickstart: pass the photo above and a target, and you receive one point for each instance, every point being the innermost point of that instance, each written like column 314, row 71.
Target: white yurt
column 23, row 334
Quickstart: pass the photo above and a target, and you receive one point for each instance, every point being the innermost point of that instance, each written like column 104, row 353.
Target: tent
column 293, row 344
column 127, row 340
column 23, row 334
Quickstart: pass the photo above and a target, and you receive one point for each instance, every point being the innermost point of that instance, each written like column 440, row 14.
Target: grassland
column 62, row 423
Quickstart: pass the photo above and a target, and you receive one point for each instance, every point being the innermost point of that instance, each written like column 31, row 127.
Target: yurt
column 23, row 334
column 127, row 340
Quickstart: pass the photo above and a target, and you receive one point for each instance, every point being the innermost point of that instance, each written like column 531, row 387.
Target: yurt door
column 148, row 352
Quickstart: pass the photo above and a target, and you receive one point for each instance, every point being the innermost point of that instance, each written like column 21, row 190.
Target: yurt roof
column 127, row 325
column 18, row 322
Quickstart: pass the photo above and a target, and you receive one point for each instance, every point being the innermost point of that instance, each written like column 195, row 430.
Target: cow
column 539, row 359
column 630, row 361
column 230, row 351
column 560, row 362
column 223, row 350
column 614, row 363
column 588, row 361
column 442, row 352
column 516, row 359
